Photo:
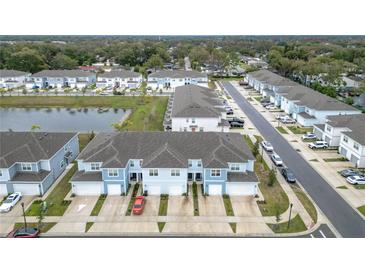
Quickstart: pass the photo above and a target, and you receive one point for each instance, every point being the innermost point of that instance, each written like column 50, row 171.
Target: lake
column 61, row 119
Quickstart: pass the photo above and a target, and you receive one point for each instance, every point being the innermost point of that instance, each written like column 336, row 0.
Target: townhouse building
column 12, row 78
column 165, row 162
column 195, row 108
column 61, row 79
column 176, row 78
column 119, row 79
column 30, row 162
column 347, row 132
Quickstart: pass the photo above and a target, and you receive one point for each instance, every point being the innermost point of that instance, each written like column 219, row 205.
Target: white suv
column 318, row 144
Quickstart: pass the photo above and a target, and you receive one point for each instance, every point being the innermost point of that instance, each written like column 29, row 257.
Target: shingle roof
column 355, row 123
column 87, row 176
column 167, row 149
column 30, row 146
column 63, row 73
column 196, row 101
column 271, row 78
column 177, row 74
column 12, row 73
column 30, row 176
column 248, row 176
column 119, row 73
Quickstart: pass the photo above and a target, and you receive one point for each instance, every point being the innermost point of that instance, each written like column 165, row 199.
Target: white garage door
column 215, row 189
column 27, row 189
column 175, row 190
column 154, row 190
column 3, row 189
column 88, row 189
column 114, row 189
column 241, row 189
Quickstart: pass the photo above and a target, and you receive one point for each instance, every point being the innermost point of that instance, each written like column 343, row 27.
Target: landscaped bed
column 131, row 202
column 45, row 227
column 98, row 205
column 296, row 225
column 300, row 130
column 306, row 202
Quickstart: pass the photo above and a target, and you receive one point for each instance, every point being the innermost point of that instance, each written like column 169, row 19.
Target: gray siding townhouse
column 306, row 105
column 61, row 78
column 347, row 132
column 30, row 162
column 176, row 78
column 164, row 163
column 12, row 78
column 119, row 78
column 195, row 108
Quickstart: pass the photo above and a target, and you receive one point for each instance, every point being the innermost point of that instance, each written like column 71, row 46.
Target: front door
column 198, row 177
column 193, row 129
column 190, row 176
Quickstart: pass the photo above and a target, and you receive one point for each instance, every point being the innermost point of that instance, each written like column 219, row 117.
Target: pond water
column 61, row 119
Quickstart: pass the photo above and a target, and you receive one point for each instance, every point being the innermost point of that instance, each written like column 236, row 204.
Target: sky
column 185, row 17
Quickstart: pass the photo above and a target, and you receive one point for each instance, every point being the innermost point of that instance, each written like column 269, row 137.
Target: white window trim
column 235, row 167
column 175, row 172
column 113, row 172
column 215, row 171
column 25, row 166
column 1, row 173
column 153, row 172
column 96, row 166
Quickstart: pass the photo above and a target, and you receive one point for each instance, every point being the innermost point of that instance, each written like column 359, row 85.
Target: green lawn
column 131, row 202
column 161, row 225
column 359, row 186
column 306, row 202
column 362, row 210
column 282, row 130
column 342, row 187
column 88, row 226
column 228, row 205
column 233, row 227
column 195, row 199
column 55, row 200
column 98, row 205
column 339, row 159
column 45, row 226
column 300, row 130
column 296, row 225
column 164, row 202
column 257, row 98
column 147, row 112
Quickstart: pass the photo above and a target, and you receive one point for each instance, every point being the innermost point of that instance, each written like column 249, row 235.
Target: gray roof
column 271, row 78
column 63, row 73
column 30, row 176
column 306, row 115
column 30, row 146
column 12, row 73
column 83, row 176
column 320, row 126
column 120, row 73
column 355, row 123
column 196, row 101
column 167, row 149
column 248, row 176
column 177, row 74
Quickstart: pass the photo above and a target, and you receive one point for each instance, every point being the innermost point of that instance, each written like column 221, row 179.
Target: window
column 112, row 172
column 356, row 146
column 215, row 173
column 153, row 172
column 132, row 163
column 1, row 173
column 345, row 139
column 62, row 163
column 201, row 129
column 175, row 172
column 235, row 167
column 26, row 167
column 199, row 163
column 95, row 166
column 329, row 128
column 65, row 148
column 187, row 120
column 185, row 129
column 190, row 164
column 193, row 120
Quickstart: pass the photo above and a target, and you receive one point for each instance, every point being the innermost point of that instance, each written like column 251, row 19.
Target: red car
column 138, row 205
column 29, row 232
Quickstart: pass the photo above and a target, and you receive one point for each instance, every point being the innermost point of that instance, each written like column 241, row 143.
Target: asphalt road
column 342, row 216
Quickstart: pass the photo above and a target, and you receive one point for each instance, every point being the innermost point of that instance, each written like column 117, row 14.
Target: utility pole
column 291, row 206
column 25, row 220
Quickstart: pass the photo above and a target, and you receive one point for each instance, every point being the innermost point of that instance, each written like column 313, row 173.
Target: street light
column 25, row 220
column 291, row 206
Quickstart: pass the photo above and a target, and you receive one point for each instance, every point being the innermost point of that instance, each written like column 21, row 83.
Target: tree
column 272, row 177
column 155, row 61
column 361, row 88
column 61, row 61
column 26, row 60
column 199, row 55
column 256, row 150
column 35, row 127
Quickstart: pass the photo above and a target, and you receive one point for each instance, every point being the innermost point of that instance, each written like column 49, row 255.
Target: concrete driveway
column 245, row 206
column 253, row 228
column 17, row 210
column 197, row 228
column 115, row 206
column 181, row 205
column 81, row 205
column 210, row 205
column 152, row 206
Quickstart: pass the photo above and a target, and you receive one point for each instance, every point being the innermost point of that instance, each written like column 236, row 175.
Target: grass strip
column 98, row 205
column 296, row 225
column 195, row 199
column 131, row 202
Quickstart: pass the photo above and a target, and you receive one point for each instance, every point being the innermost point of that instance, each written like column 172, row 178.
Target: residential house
column 12, row 78
column 346, row 132
column 175, row 78
column 119, row 78
column 196, row 108
column 30, row 162
column 164, row 163
column 61, row 79
column 306, row 105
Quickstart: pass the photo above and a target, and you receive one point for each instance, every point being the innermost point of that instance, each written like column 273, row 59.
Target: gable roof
column 355, row 123
column 30, row 146
column 196, row 101
column 12, row 73
column 167, row 149
column 271, row 78
column 119, row 73
column 177, row 74
column 63, row 73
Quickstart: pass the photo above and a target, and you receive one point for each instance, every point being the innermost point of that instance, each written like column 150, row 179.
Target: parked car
column 350, row 172
column 265, row 104
column 236, row 124
column 229, row 112
column 287, row 120
column 288, row 175
column 267, row 146
column 235, row 119
column 281, row 116
column 318, row 144
column 276, row 159
column 265, row 100
column 270, row 107
column 242, row 83
column 10, row 202
column 309, row 136
column 356, row 180
column 29, row 232
column 138, row 205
